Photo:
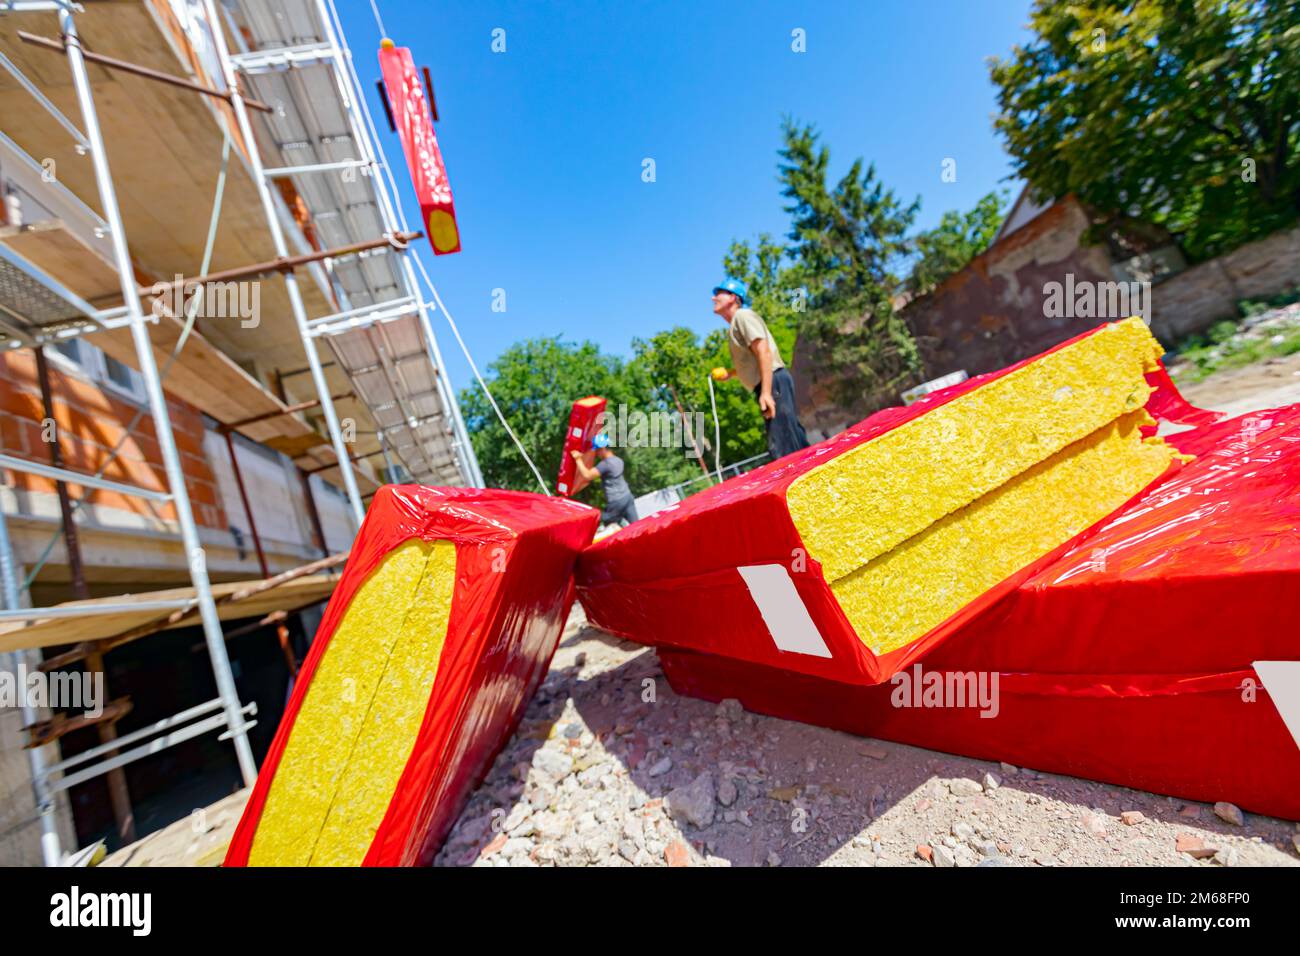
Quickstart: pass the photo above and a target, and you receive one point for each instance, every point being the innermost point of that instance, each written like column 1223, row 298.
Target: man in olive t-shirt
column 759, row 367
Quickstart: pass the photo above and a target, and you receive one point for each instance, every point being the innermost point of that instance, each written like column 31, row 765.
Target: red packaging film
column 1158, row 652
column 410, row 112
column 937, row 511
column 442, row 626
column 1154, row 648
column 585, row 422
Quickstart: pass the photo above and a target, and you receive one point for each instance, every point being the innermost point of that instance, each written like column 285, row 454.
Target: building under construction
column 216, row 345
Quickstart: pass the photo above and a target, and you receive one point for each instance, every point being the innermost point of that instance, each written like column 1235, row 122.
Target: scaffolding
column 380, row 334
column 291, row 54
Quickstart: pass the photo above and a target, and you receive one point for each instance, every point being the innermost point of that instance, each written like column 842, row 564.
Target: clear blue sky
column 544, row 143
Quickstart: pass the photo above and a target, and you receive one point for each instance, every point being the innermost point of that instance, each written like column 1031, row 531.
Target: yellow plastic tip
column 386, row 44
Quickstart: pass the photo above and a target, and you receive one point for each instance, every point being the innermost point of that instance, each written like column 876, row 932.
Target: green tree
column 1182, row 113
column 535, row 382
column 848, row 243
column 958, row 239
column 679, row 363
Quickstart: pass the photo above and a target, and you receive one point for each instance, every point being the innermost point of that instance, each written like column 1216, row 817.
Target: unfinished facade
column 286, row 323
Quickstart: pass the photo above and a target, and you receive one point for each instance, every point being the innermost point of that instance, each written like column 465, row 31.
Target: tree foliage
column 949, row 246
column 678, row 358
column 535, row 382
column 848, row 241
column 1183, row 113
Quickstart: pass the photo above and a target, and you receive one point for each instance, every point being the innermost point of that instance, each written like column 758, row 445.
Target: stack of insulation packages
column 441, row 627
column 1015, row 568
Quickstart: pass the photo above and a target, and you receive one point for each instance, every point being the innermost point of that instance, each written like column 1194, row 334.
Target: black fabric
column 785, row 435
column 621, row 511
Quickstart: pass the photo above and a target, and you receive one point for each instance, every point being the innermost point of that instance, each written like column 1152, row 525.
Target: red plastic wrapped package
column 1141, row 656
column 728, row 571
column 441, row 627
column 585, row 421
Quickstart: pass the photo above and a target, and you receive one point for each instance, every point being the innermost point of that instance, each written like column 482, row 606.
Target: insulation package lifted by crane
column 441, row 628
column 1127, row 600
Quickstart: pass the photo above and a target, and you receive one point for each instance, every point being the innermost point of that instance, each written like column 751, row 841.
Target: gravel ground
column 598, row 776
column 611, row 768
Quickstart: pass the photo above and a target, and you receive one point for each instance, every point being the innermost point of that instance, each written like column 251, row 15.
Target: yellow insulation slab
column 359, row 720
column 899, row 596
column 859, row 505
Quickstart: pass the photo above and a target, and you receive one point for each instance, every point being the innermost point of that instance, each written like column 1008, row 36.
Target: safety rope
column 717, row 430
column 474, row 368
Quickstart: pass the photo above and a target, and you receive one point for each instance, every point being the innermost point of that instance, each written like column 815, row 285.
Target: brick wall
column 91, row 420
column 984, row 317
column 991, row 314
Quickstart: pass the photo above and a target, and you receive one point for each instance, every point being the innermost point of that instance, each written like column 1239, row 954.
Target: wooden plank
column 289, row 596
column 55, row 249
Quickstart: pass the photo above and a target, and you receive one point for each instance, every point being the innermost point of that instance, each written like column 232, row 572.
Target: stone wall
column 984, row 317
column 20, row 828
column 991, row 313
column 1198, row 297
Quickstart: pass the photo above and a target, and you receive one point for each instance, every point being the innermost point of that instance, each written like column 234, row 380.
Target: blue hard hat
column 735, row 287
column 600, row 441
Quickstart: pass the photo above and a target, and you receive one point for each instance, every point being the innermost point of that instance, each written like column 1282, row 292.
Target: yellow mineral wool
column 902, row 594
column 362, row 711
column 858, row 505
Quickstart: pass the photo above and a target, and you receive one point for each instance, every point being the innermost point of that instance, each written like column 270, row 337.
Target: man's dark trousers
column 619, row 511
column 785, row 435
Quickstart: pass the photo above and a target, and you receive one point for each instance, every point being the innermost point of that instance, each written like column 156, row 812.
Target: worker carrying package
column 853, row 558
column 585, row 422
column 441, row 627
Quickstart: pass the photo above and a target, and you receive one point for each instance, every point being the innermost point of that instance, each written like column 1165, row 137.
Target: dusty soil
column 1267, row 384
column 588, row 778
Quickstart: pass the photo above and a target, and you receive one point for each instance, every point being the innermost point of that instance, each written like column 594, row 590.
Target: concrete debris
column 694, row 802
column 597, row 776
column 1229, row 813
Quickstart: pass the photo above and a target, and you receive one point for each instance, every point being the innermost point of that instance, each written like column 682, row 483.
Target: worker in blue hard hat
column 757, row 363
column 620, row 506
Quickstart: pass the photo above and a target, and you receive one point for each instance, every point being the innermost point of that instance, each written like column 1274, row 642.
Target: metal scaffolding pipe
column 248, row 508
column 119, row 793
column 136, row 69
column 361, row 136
column 286, row 264
column 37, row 757
column 281, row 251
column 212, row 634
